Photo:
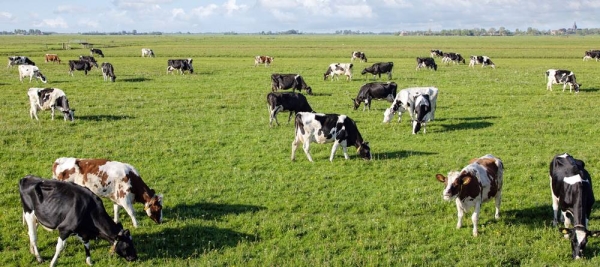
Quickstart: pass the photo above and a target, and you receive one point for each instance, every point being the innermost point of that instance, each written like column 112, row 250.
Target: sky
column 307, row 16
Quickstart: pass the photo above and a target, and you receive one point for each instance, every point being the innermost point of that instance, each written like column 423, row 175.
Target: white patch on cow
column 573, row 179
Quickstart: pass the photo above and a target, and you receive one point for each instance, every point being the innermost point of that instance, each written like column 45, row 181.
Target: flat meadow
column 233, row 197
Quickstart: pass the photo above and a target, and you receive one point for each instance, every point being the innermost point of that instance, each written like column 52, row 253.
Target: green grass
column 234, row 198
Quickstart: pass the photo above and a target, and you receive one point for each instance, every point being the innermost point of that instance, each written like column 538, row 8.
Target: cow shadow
column 399, row 154
column 474, row 125
column 322, row 94
column 104, row 117
column 469, row 118
column 533, row 217
column 210, row 211
column 589, row 90
column 136, row 80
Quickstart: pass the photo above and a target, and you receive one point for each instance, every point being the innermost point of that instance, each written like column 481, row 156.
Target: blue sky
column 319, row 16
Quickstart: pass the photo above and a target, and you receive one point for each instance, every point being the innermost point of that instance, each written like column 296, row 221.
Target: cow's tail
column 298, row 125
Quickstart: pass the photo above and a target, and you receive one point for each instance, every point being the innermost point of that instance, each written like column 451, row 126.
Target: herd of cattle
column 62, row 203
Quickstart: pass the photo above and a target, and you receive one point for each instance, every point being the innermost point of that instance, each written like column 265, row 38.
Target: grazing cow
column 72, row 210
column 29, row 70
column 571, row 187
column 51, row 58
column 422, row 108
column 289, row 81
column 405, row 100
column 89, row 59
column 426, row 62
column 380, row 68
column 436, row 53
column 181, row 65
column 83, row 65
column 359, row 55
column 111, row 179
column 19, row 60
column 108, row 72
column 147, row 52
column 267, row 60
column 476, row 183
column 595, row 54
column 292, row 102
column 562, row 76
column 371, row 91
column 96, row 51
column 337, row 69
column 49, row 99
column 483, row 60
column 456, row 58
column 326, row 128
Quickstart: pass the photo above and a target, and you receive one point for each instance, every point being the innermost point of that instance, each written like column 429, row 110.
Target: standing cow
column 267, row 60
column 81, row 65
column 336, row 69
column 49, row 99
column 475, row 184
column 292, row 102
column 180, row 65
column 374, row 90
column 31, row 71
column 52, row 58
column 289, row 81
column 89, row 59
column 19, row 60
column 108, row 72
column 147, row 52
column 380, row 68
column 326, row 128
column 426, row 62
column 562, row 76
column 455, row 58
column 72, row 210
column 572, row 193
column 405, row 101
column 360, row 55
column 483, row 60
column 96, row 51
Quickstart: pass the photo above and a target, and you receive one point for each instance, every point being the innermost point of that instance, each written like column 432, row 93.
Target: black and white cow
column 72, row 210
column 338, row 69
column 591, row 54
column 326, row 128
column 422, row 107
column 96, row 51
column 89, row 59
column 31, row 71
column 436, row 53
column 108, row 72
column 359, row 55
column 426, row 62
column 49, row 99
column 292, row 102
column 456, row 58
column 147, row 52
column 483, row 60
column 406, row 101
column 375, row 90
column 572, row 193
column 19, row 60
column 81, row 65
column 562, row 76
column 380, row 68
column 181, row 65
column 289, row 81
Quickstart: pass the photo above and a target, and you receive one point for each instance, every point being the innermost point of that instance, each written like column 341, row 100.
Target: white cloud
column 70, row 9
column 231, row 7
column 6, row 16
column 52, row 23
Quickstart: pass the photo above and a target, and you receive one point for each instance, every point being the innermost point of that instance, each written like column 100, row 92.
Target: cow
column 359, row 55
column 89, row 59
column 380, row 68
column 565, row 77
column 456, row 58
column 337, row 69
column 292, row 102
column 405, row 101
column 49, row 99
column 83, row 65
column 96, row 51
column 483, row 60
column 289, row 81
column 267, row 60
column 30, row 70
column 436, row 53
column 374, row 90
column 52, row 58
column 326, row 128
column 181, row 65
column 72, row 210
column 475, row 184
column 595, row 54
column 422, row 108
column 426, row 62
column 108, row 72
column 111, row 179
column 147, row 52
column 19, row 60
column 572, row 193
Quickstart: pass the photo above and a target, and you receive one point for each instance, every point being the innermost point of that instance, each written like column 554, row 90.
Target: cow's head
column 309, row 90
column 364, row 151
column 153, row 208
column 578, row 236
column 388, row 114
column 356, row 103
column 453, row 183
column 69, row 114
column 39, row 75
column 123, row 244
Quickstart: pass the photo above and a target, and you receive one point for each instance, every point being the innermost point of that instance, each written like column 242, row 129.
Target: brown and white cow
column 267, row 60
column 52, row 58
column 476, row 183
column 111, row 179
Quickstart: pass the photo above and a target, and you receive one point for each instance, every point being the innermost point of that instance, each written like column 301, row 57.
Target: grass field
column 232, row 195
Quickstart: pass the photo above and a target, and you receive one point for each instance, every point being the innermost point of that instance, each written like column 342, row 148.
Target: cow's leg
column 389, row 75
column 289, row 117
column 306, row 147
column 549, row 85
column 295, row 146
column 554, row 205
column 345, row 149
column 564, row 86
column 498, row 202
column 116, row 212
column 52, row 112
column 334, row 149
column 399, row 116
column 460, row 213
column 128, row 207
column 60, row 245
column 32, row 231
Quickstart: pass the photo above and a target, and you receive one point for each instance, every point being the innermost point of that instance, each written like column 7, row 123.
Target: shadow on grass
column 466, row 126
column 532, row 216
column 589, row 90
column 103, row 117
column 321, row 94
column 210, row 211
column 468, row 118
column 136, row 80
column 399, row 154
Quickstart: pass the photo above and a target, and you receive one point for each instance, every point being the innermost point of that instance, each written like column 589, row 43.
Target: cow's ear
column 466, row 180
column 440, row 177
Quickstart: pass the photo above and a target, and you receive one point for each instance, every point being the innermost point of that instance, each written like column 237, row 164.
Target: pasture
column 232, row 197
